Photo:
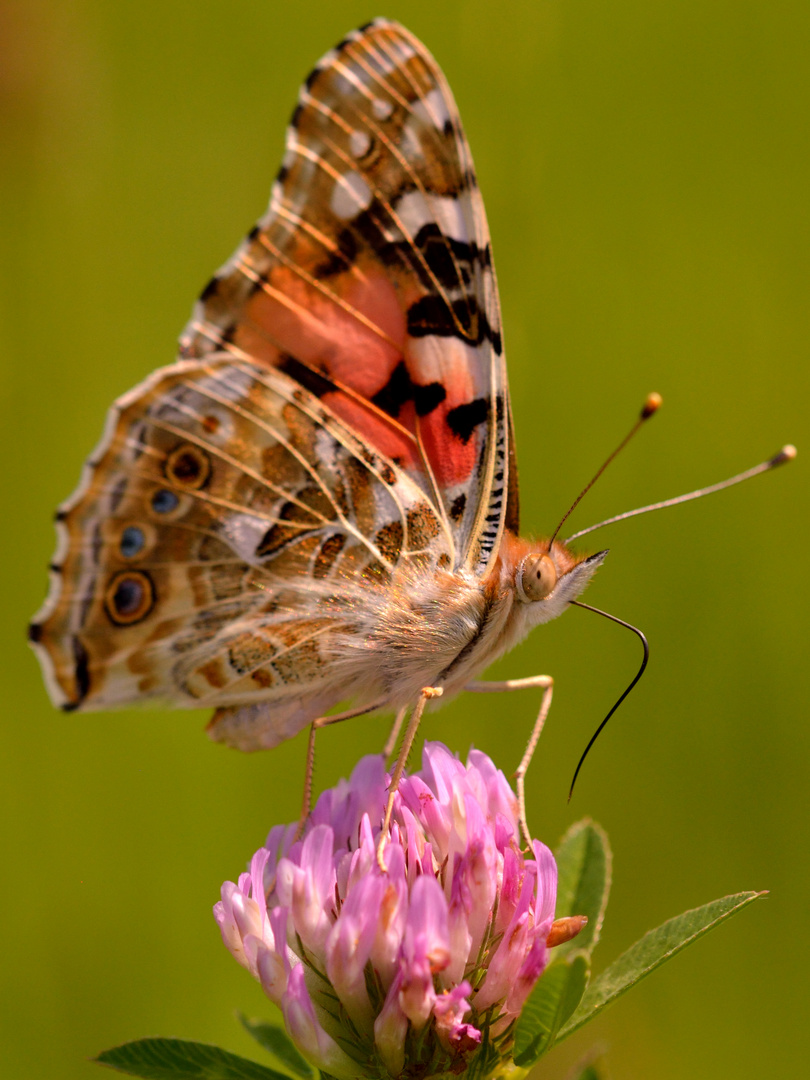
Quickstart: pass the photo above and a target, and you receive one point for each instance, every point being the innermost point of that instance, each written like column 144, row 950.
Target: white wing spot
column 436, row 106
column 415, row 210
column 411, row 145
column 439, row 359
column 382, row 108
column 244, row 533
column 350, row 195
column 359, row 143
column 229, row 381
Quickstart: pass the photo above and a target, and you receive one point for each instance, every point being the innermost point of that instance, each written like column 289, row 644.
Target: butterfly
column 318, row 501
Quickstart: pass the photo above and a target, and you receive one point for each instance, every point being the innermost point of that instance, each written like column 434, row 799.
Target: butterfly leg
column 324, row 721
column 425, row 695
column 538, row 682
column 391, row 741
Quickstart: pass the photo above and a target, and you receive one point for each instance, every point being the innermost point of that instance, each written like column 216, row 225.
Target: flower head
column 409, row 971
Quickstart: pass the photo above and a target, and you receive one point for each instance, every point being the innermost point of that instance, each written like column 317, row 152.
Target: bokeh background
column 645, row 170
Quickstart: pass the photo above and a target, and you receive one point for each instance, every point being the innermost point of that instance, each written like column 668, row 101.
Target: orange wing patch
column 370, row 278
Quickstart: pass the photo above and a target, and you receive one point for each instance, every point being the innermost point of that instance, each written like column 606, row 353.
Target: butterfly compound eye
column 535, row 578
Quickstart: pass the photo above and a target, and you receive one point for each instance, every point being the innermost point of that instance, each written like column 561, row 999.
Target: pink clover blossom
column 414, row 970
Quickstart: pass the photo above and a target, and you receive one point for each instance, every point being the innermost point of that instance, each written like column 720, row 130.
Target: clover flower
column 417, row 970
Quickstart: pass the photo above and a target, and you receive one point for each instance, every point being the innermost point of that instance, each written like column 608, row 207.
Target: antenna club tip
column 787, row 453
column 651, row 405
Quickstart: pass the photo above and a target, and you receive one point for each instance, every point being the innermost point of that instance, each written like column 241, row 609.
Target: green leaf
column 583, row 882
column 554, row 998
column 651, row 951
column 176, row 1059
column 278, row 1043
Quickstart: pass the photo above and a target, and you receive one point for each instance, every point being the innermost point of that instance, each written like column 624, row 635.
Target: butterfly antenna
column 651, row 406
column 787, row 453
column 639, row 673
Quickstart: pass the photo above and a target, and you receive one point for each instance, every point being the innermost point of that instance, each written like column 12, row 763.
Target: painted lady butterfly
column 318, row 501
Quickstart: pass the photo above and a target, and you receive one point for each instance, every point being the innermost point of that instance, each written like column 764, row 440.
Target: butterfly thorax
column 445, row 628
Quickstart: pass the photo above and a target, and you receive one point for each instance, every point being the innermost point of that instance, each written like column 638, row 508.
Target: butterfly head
column 548, row 577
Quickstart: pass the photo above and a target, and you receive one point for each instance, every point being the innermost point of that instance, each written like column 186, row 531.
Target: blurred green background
column 645, row 169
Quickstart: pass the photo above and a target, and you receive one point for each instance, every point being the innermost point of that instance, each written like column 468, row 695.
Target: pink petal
column 425, row 949
column 272, row 971
column 426, row 933
column 500, row 797
column 416, row 992
column 450, row 1009
column 309, row 889
column 390, row 919
column 546, row 885
column 349, row 945
column 306, row 1032
column 426, row 808
column 530, row 971
column 390, row 1029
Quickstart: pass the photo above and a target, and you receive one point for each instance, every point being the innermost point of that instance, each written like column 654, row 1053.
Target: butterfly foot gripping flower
column 418, row 970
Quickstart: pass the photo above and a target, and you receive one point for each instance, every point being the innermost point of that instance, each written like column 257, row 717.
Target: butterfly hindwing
column 210, row 554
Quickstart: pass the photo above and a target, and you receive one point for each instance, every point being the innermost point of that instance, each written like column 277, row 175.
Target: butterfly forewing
column 370, row 279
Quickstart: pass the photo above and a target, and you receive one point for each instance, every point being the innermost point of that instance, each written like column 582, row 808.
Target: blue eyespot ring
column 132, row 542
column 164, row 501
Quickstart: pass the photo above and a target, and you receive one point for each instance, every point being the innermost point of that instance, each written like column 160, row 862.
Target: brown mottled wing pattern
column 337, row 424
column 223, row 533
column 370, row 281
